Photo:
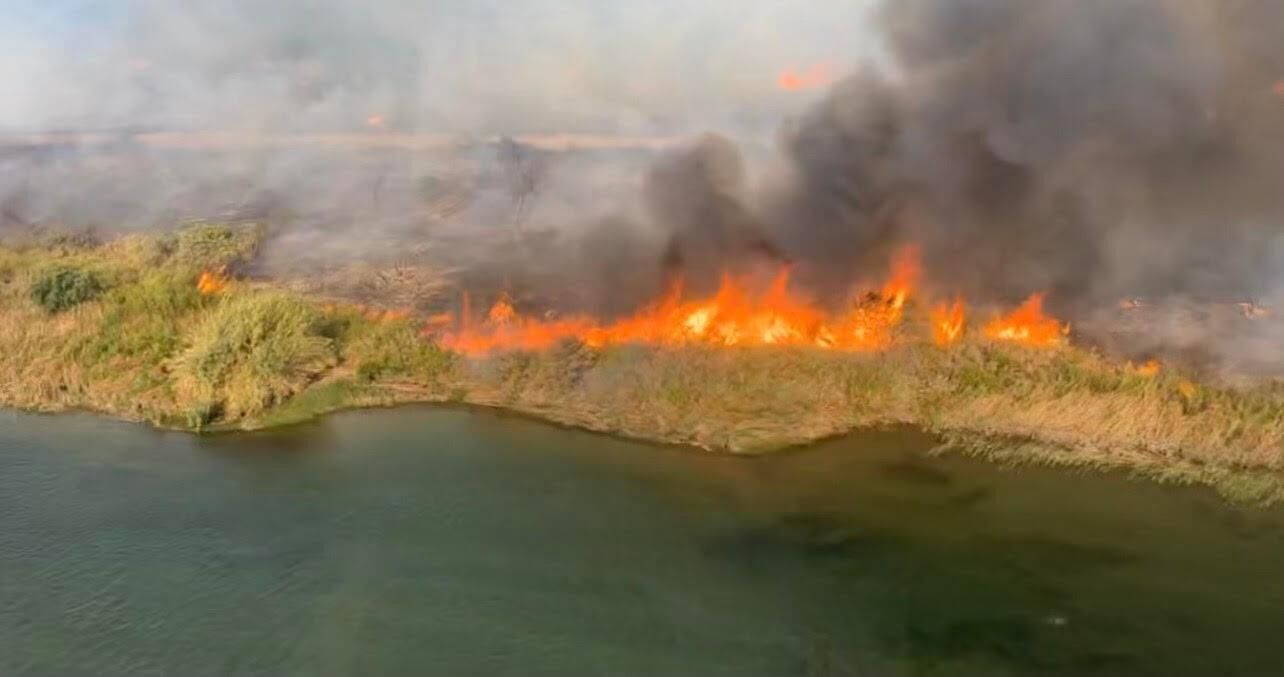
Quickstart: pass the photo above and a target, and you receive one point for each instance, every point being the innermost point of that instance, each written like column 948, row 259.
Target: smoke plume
column 1089, row 149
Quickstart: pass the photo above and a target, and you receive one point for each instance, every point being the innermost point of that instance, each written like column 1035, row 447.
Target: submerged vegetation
column 154, row 328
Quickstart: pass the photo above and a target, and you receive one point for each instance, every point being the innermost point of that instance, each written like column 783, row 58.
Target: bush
column 207, row 245
column 64, row 288
column 392, row 349
column 142, row 319
column 252, row 352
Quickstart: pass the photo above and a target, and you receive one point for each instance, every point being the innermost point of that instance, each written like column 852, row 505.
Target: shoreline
column 1012, row 449
column 121, row 329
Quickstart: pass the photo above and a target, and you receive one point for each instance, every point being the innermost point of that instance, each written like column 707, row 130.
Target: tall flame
column 1028, row 325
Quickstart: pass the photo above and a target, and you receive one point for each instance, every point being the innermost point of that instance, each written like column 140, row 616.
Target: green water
column 429, row 541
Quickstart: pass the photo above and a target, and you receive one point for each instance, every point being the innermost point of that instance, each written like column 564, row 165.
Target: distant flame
column 1278, row 88
column 1253, row 311
column 375, row 121
column 1028, row 325
column 818, row 75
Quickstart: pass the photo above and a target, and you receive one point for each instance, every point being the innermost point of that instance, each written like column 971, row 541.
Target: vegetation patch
column 251, row 352
column 61, row 289
column 122, row 328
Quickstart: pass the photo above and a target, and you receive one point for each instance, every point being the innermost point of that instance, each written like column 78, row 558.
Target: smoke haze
column 1092, row 149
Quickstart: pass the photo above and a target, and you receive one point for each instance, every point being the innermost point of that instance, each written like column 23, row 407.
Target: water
column 457, row 543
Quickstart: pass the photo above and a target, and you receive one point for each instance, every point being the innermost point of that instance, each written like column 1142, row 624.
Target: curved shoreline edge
column 138, row 329
column 1243, row 485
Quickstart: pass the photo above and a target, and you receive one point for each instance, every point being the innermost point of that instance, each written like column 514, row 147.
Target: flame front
column 738, row 315
column 733, row 316
column 1028, row 325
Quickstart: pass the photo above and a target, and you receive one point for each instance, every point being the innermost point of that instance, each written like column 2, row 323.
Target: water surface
column 459, row 542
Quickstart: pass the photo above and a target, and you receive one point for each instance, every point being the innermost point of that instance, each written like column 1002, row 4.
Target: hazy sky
column 428, row 64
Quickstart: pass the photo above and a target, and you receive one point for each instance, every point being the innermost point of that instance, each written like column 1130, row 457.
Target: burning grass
column 754, row 373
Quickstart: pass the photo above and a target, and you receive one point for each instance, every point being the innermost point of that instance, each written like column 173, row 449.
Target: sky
column 439, row 65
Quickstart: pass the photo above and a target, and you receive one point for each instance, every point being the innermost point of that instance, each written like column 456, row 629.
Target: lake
column 461, row 542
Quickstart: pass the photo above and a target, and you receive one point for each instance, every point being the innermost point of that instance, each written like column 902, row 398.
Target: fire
column 948, row 321
column 1028, row 325
column 212, row 281
column 818, row 75
column 906, row 269
column 740, row 313
column 1278, row 88
column 1149, row 369
column 375, row 121
column 502, row 312
column 733, row 316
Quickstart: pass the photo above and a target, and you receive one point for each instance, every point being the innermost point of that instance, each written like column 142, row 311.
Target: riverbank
column 153, row 329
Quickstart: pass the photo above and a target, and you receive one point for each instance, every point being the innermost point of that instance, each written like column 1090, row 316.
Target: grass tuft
column 251, row 352
column 64, row 288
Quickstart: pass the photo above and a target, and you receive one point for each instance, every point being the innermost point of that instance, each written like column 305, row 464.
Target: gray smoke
column 1090, row 149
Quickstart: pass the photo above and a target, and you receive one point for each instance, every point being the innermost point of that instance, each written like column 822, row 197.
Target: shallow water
column 459, row 542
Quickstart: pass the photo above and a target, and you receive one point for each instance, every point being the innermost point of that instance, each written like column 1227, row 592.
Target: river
column 459, row 542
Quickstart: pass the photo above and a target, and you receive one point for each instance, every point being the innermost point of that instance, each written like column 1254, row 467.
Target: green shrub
column 64, row 288
column 141, row 319
column 252, row 352
column 208, row 245
column 392, row 349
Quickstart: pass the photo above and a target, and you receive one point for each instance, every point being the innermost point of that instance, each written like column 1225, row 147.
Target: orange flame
column 1028, row 325
column 818, row 75
column 212, row 282
column 1149, row 369
column 733, row 316
column 948, row 322
column 502, row 312
column 906, row 269
column 375, row 121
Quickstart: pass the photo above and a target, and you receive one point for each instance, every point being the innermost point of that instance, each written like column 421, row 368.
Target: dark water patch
column 452, row 542
column 1046, row 555
column 915, row 471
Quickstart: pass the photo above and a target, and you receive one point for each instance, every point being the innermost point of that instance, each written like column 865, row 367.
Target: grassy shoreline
column 121, row 329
